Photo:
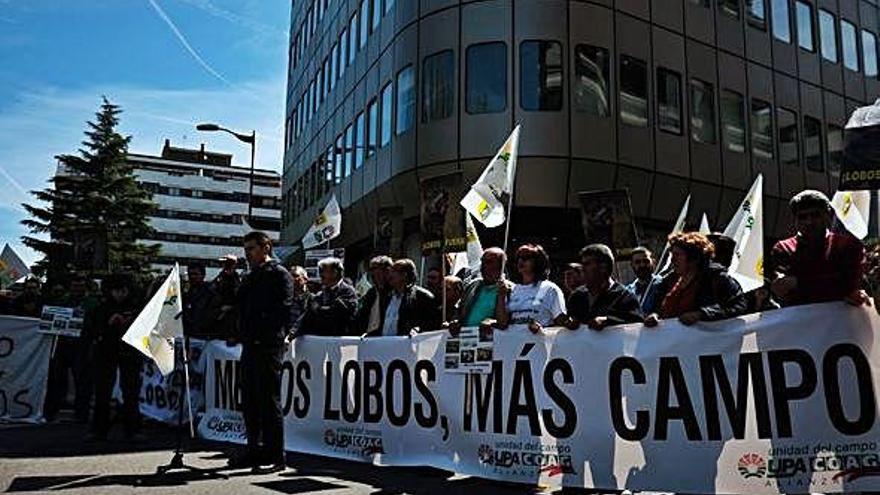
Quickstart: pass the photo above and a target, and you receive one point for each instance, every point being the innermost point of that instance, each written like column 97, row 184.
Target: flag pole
column 509, row 212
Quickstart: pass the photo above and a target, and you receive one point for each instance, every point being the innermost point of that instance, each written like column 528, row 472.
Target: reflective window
column 349, row 150
column 869, row 53
column 786, row 120
column 701, row 3
column 804, row 13
column 828, row 35
column 377, row 14
column 334, row 65
column 848, row 43
column 406, row 100
column 340, row 158
column 756, row 13
column 835, row 147
column 540, row 75
column 353, row 38
column 387, row 107
column 633, row 91
column 329, row 169
column 729, row 7
column 343, row 51
column 781, row 21
column 668, row 101
column 360, row 143
column 486, row 85
column 365, row 22
column 388, row 5
column 762, row 130
column 702, row 112
column 372, row 127
column 438, row 86
column 733, row 121
column 592, row 66
column 813, row 142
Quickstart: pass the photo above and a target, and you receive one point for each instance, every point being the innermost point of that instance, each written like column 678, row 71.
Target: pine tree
column 96, row 210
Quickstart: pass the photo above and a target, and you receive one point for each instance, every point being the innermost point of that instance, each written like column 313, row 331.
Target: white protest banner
column 24, row 369
column 222, row 419
column 756, row 404
column 160, row 395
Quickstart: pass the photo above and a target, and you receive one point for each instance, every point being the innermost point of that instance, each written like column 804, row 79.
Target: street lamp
column 245, row 138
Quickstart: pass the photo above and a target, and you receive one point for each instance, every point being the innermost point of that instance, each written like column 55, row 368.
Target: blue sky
column 168, row 63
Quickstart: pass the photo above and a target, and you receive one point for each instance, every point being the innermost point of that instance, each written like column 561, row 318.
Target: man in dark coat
column 371, row 313
column 121, row 305
column 411, row 308
column 265, row 299
column 330, row 312
column 197, row 315
column 602, row 301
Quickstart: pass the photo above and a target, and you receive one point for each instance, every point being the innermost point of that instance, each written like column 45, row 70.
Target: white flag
column 327, row 226
column 747, row 230
column 665, row 258
column 483, row 201
column 704, row 225
column 470, row 259
column 853, row 209
column 154, row 330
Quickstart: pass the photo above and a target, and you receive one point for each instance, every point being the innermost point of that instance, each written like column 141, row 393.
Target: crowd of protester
column 272, row 305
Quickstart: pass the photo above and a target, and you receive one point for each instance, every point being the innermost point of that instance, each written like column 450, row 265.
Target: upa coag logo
column 525, row 462
column 752, row 466
column 330, row 437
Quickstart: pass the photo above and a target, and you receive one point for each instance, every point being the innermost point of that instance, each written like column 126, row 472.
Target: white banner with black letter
column 779, row 402
column 24, row 368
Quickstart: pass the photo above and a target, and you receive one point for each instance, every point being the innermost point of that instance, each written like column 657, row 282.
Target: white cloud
column 47, row 122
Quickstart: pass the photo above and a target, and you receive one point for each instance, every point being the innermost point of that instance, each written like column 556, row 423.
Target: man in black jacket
column 265, row 300
column 371, row 313
column 411, row 308
column 330, row 312
column 601, row 302
column 121, row 305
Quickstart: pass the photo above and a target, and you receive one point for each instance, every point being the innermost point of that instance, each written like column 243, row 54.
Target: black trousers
column 111, row 355
column 72, row 355
column 261, row 394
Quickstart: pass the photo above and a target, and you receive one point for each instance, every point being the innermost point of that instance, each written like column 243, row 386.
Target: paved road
column 55, row 457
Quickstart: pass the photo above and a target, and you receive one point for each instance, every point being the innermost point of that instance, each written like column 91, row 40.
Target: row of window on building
column 233, row 197
column 832, row 33
column 196, row 239
column 798, row 139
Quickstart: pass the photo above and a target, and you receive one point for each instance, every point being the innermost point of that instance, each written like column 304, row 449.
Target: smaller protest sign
column 58, row 320
column 470, row 352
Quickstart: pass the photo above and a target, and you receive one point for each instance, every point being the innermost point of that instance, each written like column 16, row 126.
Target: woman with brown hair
column 535, row 301
column 697, row 289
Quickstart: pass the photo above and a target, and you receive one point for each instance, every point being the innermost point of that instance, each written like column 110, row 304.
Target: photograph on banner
column 313, row 256
column 388, row 237
column 470, row 352
column 442, row 220
column 607, row 218
column 58, row 320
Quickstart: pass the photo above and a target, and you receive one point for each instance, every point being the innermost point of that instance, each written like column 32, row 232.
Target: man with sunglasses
column 816, row 265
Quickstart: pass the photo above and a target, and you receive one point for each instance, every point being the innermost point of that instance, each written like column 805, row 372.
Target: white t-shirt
column 541, row 302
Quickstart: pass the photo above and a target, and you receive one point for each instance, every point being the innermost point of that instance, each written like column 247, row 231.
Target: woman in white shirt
column 535, row 301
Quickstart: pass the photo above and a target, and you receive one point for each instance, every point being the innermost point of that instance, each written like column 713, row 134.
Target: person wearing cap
column 816, row 264
column 265, row 299
column 330, row 312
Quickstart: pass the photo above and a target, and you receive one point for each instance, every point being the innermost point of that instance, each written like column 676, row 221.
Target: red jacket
column 827, row 272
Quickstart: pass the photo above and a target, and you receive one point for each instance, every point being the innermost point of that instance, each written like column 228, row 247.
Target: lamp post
column 245, row 138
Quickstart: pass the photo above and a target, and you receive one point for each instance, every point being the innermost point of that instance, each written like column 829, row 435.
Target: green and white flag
column 327, row 226
column 747, row 230
column 154, row 330
column 853, row 209
column 484, row 200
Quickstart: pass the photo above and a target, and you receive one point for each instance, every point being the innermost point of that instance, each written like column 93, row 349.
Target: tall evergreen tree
column 95, row 210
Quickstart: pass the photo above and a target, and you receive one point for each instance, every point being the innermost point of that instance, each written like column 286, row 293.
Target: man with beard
column 644, row 287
